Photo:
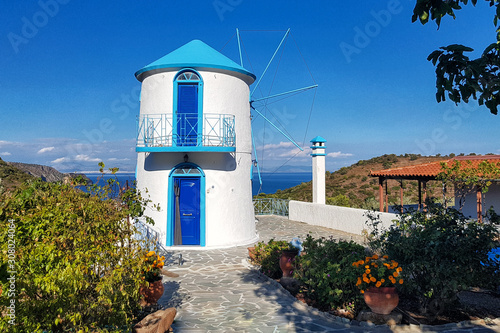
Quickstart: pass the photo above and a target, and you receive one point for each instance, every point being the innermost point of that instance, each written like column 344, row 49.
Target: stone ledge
column 394, row 318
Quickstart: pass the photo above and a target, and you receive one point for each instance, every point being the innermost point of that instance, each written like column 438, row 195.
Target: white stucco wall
column 490, row 198
column 229, row 213
column 350, row 220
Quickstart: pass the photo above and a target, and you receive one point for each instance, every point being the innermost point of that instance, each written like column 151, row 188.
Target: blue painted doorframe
column 190, row 177
column 187, row 115
column 188, row 108
column 189, row 209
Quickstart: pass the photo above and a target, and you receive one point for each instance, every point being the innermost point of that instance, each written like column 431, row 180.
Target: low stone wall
column 350, row 220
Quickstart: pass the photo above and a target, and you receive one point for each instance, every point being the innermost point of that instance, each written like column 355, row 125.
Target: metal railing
column 271, row 206
column 162, row 130
column 148, row 238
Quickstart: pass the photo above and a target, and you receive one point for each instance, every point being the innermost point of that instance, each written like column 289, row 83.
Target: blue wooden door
column 189, row 207
column 187, row 114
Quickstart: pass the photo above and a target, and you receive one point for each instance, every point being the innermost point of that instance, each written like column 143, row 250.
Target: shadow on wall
column 206, row 161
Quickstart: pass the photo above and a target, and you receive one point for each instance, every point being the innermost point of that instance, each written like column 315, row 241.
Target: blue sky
column 70, row 98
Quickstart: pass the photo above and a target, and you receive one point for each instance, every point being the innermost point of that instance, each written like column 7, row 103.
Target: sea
column 271, row 182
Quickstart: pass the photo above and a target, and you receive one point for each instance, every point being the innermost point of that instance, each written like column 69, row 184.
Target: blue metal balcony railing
column 160, row 132
column 271, row 206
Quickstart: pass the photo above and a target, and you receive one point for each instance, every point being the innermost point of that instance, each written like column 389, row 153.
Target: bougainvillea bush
column 77, row 265
column 441, row 253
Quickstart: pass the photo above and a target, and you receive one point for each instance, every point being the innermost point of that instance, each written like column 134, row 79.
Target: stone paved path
column 218, row 291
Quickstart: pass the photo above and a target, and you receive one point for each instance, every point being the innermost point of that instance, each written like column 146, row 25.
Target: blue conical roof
column 318, row 139
column 196, row 55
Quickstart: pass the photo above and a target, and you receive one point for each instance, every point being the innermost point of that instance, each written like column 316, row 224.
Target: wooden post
column 419, row 195
column 445, row 204
column 424, row 187
column 401, row 194
column 479, row 196
column 387, row 196
column 381, row 193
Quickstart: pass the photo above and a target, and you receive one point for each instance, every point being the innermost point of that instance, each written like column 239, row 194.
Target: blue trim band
column 200, row 66
column 322, row 147
column 186, row 149
column 313, row 155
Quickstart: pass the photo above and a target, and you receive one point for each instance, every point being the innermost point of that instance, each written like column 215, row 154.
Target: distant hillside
column 10, row 176
column 352, row 186
column 13, row 174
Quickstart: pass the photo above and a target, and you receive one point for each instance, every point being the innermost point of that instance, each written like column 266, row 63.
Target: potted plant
column 378, row 277
column 152, row 275
column 287, row 259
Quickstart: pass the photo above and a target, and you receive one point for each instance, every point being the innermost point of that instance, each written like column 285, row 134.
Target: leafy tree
column 77, row 265
column 457, row 75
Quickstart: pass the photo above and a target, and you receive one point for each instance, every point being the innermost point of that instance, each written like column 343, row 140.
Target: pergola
column 424, row 173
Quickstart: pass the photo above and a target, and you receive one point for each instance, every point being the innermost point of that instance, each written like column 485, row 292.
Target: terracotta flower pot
column 152, row 293
column 286, row 261
column 381, row 300
column 251, row 253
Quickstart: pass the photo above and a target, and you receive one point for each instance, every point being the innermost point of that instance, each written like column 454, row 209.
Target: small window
column 187, row 171
column 188, row 76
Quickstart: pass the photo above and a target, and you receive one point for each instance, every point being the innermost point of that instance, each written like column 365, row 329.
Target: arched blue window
column 188, row 108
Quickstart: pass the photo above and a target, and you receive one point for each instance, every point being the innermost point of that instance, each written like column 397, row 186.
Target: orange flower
column 399, row 269
column 358, row 282
column 378, row 284
column 150, row 253
column 375, row 257
column 396, row 274
column 385, row 257
column 368, row 271
column 372, row 279
column 400, row 281
column 362, row 291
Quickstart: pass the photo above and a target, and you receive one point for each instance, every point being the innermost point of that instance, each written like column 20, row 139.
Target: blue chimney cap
column 196, row 55
column 318, row 139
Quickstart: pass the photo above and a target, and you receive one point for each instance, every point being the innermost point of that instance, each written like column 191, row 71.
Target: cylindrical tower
column 194, row 147
column 318, row 166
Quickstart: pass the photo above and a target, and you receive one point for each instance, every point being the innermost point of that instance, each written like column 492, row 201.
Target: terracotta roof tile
column 432, row 169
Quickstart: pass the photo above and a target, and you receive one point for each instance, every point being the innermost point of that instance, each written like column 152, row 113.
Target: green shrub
column 78, row 266
column 339, row 200
column 326, row 272
column 441, row 252
column 267, row 256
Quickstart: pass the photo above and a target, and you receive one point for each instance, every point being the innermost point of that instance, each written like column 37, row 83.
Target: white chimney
column 318, row 168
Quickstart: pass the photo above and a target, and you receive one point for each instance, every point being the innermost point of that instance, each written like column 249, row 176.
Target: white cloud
column 114, row 159
column 338, row 154
column 46, row 149
column 60, row 160
column 86, row 158
column 5, row 153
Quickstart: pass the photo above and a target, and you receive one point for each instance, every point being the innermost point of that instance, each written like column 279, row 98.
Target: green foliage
column 456, row 74
column 441, row 253
column 339, row 200
column 466, row 177
column 267, row 256
column 326, row 273
column 78, row 266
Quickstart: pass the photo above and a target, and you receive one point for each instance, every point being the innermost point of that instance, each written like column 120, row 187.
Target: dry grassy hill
column 353, row 187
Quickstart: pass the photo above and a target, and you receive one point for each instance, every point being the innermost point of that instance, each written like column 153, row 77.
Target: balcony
column 183, row 133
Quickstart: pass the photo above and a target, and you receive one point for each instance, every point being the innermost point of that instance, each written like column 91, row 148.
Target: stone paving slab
column 218, row 291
